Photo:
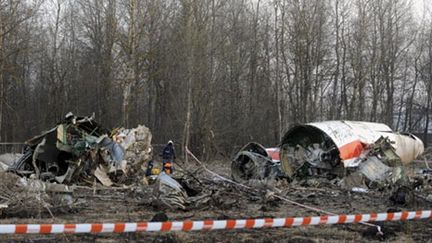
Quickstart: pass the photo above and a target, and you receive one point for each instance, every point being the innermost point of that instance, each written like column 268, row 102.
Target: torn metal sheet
column 115, row 151
column 101, row 174
column 256, row 162
column 169, row 193
column 273, row 153
column 374, row 169
column 407, row 146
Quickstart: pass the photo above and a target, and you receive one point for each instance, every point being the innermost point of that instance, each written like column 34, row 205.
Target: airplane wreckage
column 360, row 154
column 79, row 147
column 79, row 151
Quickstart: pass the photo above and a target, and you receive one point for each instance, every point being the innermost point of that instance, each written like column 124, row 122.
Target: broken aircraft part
column 23, row 195
column 8, row 159
column 335, row 148
column 137, row 144
column 168, row 193
column 79, row 147
column 256, row 162
column 61, row 149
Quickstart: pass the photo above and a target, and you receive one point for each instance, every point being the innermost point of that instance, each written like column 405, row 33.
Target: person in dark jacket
column 168, row 156
column 149, row 168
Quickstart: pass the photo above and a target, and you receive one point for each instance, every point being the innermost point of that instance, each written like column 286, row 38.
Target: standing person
column 149, row 168
column 168, row 156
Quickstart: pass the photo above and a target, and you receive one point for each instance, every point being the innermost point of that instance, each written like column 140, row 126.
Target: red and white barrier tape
column 209, row 224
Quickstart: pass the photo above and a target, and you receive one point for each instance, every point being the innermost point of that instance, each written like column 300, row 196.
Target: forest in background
column 214, row 74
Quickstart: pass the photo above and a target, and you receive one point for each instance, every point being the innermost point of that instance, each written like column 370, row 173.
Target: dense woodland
column 214, row 74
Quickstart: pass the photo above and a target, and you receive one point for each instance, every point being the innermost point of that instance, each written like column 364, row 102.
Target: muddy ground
column 132, row 205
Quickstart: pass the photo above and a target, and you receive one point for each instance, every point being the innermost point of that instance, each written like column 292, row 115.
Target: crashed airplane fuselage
column 335, row 147
column 331, row 149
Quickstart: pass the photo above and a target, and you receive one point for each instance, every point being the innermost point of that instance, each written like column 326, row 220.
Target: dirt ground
column 132, row 205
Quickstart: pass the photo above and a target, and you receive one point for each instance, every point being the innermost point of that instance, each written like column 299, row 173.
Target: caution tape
column 209, row 224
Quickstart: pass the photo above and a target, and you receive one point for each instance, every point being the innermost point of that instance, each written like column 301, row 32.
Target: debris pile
column 79, row 149
column 204, row 191
column 20, row 195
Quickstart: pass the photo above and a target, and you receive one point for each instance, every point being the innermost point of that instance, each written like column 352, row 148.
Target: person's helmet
column 121, row 135
column 69, row 115
column 170, row 142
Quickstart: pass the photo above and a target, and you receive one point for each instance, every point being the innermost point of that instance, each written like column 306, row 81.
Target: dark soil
column 132, row 205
